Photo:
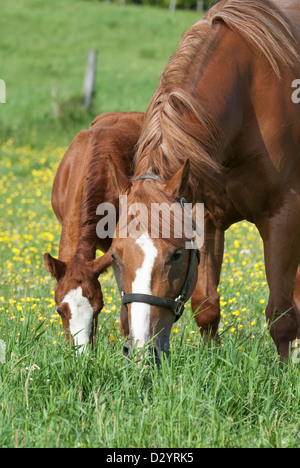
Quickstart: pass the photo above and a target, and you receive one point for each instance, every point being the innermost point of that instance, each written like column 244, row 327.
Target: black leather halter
column 175, row 305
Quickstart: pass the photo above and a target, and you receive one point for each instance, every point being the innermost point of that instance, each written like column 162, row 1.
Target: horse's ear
column 177, row 184
column 119, row 180
column 101, row 264
column 54, row 266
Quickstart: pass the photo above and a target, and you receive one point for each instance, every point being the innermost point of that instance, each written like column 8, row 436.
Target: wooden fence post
column 200, row 5
column 90, row 78
column 172, row 5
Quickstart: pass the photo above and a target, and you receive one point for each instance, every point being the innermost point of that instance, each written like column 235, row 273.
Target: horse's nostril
column 126, row 351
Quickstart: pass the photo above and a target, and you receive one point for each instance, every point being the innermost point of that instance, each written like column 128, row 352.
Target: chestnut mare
column 225, row 103
column 83, row 182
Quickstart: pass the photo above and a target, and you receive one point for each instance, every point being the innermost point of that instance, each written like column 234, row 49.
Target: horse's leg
column 206, row 299
column 280, row 235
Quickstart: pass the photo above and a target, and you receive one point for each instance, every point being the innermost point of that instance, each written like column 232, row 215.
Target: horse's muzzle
column 152, row 351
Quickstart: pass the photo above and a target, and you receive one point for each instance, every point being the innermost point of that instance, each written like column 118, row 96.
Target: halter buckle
column 179, row 309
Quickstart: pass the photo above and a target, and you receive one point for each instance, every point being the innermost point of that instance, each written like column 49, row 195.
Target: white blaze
column 81, row 317
column 140, row 313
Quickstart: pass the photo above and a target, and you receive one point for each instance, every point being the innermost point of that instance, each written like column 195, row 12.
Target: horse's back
column 123, row 120
column 114, row 133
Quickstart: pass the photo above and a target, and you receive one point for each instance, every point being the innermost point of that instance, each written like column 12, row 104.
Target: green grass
column 43, row 51
column 202, row 396
column 236, row 394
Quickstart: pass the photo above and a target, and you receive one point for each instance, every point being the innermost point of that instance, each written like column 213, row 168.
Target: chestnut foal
column 82, row 183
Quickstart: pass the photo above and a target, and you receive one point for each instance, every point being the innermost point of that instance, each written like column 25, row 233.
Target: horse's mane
column 176, row 126
column 94, row 191
column 111, row 134
column 263, row 24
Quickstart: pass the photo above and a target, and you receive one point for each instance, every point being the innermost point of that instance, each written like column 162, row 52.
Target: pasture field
column 232, row 394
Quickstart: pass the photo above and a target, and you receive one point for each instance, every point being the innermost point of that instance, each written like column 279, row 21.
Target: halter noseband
column 175, row 305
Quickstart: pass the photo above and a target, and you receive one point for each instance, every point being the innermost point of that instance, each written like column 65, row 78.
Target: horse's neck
column 213, row 110
column 79, row 234
column 71, row 242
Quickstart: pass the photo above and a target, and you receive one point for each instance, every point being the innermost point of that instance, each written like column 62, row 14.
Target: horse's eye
column 176, row 256
column 60, row 313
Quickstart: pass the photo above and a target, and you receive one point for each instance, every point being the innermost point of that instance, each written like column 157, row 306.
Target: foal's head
column 155, row 266
column 78, row 295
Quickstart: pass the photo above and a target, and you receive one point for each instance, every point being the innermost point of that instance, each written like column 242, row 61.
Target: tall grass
column 202, row 396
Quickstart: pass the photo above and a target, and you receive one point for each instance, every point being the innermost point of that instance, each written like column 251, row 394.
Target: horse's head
column 158, row 264
column 78, row 295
